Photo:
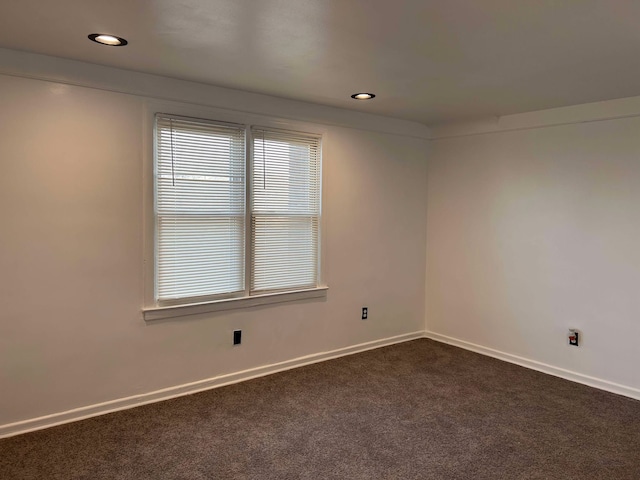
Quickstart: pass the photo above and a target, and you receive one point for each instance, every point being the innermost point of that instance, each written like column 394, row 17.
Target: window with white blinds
column 204, row 227
column 285, row 210
column 200, row 208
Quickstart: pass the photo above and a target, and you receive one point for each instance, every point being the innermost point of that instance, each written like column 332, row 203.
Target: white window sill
column 158, row 313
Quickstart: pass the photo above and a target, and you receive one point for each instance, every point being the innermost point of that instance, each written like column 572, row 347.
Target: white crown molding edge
column 72, row 72
column 620, row 108
column 126, row 403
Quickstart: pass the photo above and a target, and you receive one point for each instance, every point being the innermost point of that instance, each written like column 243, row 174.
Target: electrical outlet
column 237, row 337
column 365, row 313
column 574, row 337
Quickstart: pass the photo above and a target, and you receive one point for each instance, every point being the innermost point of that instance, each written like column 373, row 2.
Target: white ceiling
column 432, row 61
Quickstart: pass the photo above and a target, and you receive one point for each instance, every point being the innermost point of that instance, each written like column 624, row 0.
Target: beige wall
column 534, row 229
column 71, row 254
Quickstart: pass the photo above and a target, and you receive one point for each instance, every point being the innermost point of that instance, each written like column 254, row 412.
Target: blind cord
column 173, row 173
column 264, row 166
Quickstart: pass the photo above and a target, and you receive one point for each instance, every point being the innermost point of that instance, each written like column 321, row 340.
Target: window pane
column 285, row 252
column 200, row 256
column 285, row 177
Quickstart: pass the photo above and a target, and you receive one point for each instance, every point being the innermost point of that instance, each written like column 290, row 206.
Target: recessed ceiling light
column 111, row 40
column 363, row 96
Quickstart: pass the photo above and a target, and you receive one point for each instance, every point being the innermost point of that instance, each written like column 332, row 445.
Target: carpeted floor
column 418, row 410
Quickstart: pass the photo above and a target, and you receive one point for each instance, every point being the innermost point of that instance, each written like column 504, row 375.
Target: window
column 214, row 237
column 285, row 210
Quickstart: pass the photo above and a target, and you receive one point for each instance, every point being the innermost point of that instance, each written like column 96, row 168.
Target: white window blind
column 199, row 208
column 285, row 210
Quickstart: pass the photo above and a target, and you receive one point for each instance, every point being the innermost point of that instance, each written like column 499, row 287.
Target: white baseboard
column 89, row 411
column 539, row 366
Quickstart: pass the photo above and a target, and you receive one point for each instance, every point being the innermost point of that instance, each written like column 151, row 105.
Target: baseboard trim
column 539, row 366
column 89, row 411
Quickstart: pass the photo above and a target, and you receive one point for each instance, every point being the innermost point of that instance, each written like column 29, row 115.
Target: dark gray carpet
column 415, row 410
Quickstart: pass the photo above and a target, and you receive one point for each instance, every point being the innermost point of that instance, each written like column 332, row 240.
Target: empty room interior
column 313, row 239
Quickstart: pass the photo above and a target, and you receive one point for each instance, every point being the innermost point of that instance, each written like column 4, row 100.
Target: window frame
column 154, row 309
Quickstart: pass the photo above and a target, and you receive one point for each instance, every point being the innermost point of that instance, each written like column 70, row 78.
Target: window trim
column 152, row 309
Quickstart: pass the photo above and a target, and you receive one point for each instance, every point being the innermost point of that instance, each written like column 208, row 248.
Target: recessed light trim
column 108, row 40
column 363, row 96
